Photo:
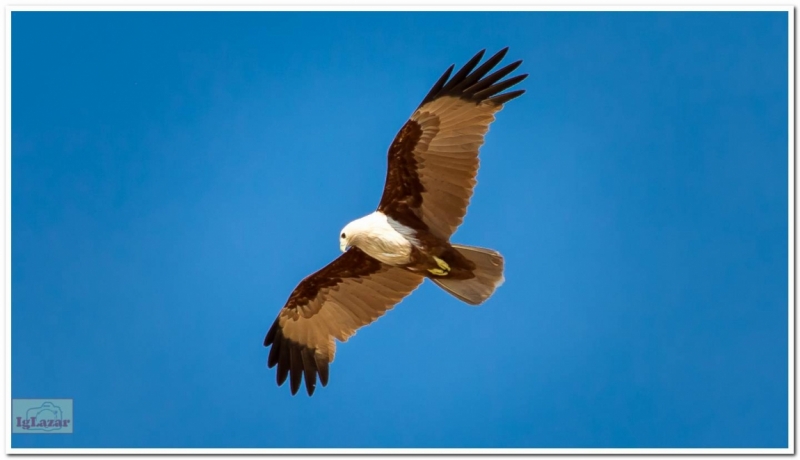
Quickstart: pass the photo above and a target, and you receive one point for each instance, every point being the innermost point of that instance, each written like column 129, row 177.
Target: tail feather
column 488, row 275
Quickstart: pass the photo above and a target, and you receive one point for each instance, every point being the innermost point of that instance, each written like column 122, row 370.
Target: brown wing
column 350, row 292
column 433, row 160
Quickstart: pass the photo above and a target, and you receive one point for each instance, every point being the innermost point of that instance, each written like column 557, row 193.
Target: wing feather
column 433, row 160
column 352, row 291
column 283, row 364
column 491, row 79
column 296, row 369
column 309, row 370
column 322, row 368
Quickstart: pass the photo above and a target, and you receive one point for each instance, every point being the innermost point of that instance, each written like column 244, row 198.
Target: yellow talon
column 443, row 269
column 442, row 264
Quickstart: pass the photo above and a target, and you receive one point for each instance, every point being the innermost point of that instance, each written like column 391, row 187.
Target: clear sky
column 174, row 176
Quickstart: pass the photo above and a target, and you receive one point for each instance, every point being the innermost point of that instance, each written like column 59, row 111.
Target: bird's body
column 381, row 237
column 387, row 254
column 397, row 245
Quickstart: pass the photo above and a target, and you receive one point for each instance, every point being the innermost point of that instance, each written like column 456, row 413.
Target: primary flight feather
column 433, row 162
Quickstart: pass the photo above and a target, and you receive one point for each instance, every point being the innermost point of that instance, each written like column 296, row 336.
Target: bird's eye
column 343, row 236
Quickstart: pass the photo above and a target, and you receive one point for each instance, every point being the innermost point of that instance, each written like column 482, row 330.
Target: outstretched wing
column 433, row 160
column 350, row 292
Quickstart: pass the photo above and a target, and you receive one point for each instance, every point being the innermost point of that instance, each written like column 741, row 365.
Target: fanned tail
column 488, row 275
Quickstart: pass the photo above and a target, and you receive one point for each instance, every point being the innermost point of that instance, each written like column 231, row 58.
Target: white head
column 349, row 234
column 379, row 237
column 361, row 231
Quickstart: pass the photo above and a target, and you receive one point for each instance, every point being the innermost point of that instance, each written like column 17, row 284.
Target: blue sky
column 175, row 175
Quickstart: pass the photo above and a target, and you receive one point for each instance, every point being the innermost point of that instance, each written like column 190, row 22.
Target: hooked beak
column 343, row 246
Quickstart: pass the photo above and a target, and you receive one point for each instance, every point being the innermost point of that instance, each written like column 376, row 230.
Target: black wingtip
column 463, row 72
column 296, row 363
column 284, row 363
column 322, row 369
column 503, row 98
column 270, row 337
column 281, row 376
column 296, row 370
column 487, row 82
column 309, row 370
column 472, row 84
column 437, row 87
column 500, row 54
column 500, row 87
column 272, row 360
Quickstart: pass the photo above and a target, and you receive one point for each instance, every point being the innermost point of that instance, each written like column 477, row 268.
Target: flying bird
column 433, row 162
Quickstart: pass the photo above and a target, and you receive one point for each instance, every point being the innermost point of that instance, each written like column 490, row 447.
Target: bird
column 432, row 166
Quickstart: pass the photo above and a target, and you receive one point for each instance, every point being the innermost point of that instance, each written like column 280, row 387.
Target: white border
column 791, row 234
column 367, row 5
column 6, row 251
column 443, row 451
column 407, row 5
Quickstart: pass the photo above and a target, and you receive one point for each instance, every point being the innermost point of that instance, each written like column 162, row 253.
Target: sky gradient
column 175, row 175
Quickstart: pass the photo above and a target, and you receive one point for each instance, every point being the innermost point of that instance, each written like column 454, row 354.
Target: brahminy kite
column 433, row 162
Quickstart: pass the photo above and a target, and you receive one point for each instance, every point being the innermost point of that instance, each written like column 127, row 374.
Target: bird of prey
column 433, row 162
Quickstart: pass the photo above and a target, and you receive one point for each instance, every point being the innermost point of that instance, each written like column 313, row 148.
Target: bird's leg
column 443, row 270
